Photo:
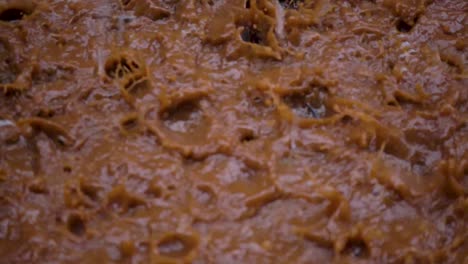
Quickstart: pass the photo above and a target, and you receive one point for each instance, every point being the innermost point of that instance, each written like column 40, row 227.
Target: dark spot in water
column 290, row 4
column 76, row 225
column 403, row 27
column 252, row 35
column 248, row 136
column 12, row 14
column 356, row 247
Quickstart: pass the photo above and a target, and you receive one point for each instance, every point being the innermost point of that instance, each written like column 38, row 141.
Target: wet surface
column 201, row 131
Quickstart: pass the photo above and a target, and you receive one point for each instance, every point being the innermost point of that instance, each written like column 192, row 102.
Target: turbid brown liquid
column 233, row 131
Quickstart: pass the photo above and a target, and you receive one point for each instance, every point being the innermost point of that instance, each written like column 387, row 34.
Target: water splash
column 122, row 21
column 6, row 123
column 101, row 39
column 279, row 19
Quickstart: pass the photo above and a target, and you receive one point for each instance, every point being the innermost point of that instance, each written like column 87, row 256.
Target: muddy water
column 216, row 131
